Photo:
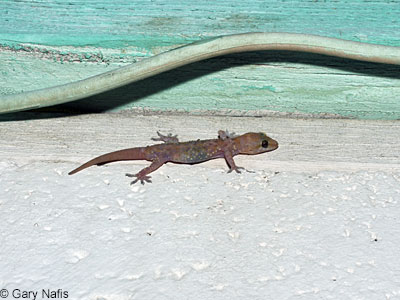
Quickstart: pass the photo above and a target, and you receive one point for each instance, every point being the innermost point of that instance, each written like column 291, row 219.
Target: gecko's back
column 193, row 151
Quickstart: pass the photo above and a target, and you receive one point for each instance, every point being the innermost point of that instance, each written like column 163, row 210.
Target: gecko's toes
column 142, row 179
column 145, row 178
column 237, row 170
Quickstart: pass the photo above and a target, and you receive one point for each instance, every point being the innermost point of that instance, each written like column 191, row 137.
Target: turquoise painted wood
column 45, row 43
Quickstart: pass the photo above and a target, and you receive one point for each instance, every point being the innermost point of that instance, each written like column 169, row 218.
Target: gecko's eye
column 264, row 144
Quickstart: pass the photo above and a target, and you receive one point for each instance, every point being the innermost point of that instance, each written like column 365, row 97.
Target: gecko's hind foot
column 166, row 138
column 237, row 170
column 142, row 179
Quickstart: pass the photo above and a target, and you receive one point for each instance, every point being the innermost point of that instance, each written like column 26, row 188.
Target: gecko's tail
column 126, row 154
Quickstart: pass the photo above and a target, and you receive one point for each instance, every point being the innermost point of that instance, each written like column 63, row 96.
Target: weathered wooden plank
column 120, row 23
column 312, row 144
column 43, row 44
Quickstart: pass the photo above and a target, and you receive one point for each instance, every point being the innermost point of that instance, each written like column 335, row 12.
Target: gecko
column 225, row 146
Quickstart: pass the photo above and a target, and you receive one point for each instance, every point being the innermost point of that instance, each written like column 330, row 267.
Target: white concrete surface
column 318, row 218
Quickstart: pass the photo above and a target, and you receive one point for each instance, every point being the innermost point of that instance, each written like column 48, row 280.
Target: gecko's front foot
column 142, row 179
column 224, row 135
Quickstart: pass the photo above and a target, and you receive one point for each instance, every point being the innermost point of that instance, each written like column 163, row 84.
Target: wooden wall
column 45, row 43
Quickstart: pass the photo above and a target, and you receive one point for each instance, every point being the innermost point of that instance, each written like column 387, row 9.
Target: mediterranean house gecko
column 192, row 152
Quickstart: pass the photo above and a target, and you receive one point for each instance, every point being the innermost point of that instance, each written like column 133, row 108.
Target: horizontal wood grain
column 304, row 144
column 46, row 43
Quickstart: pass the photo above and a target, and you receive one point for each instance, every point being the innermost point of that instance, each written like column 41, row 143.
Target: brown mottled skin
column 191, row 152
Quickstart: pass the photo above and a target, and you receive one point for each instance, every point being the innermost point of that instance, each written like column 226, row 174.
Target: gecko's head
column 256, row 142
